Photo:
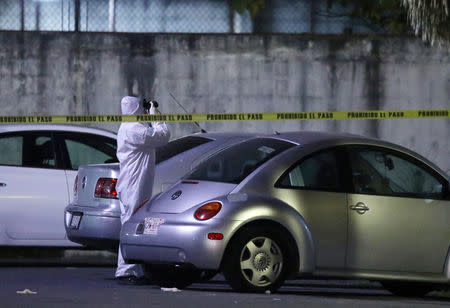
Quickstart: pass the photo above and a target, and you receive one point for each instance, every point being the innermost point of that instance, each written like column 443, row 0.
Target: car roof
column 96, row 130
column 222, row 135
column 318, row 138
column 314, row 137
column 56, row 127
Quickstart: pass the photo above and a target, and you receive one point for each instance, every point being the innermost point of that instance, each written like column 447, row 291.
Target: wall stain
column 373, row 86
column 139, row 66
column 43, row 73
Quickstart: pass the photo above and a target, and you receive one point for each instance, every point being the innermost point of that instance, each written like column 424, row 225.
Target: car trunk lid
column 87, row 180
column 186, row 194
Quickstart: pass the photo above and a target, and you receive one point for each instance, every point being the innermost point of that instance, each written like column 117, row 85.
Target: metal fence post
column 112, row 15
column 77, row 15
column 22, row 15
column 231, row 17
column 37, row 15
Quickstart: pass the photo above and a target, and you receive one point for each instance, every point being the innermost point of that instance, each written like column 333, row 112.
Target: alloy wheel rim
column 261, row 261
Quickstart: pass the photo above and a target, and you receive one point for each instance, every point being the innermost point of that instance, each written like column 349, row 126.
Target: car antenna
column 196, row 123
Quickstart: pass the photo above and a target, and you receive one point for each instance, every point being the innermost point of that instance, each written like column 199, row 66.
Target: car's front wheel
column 257, row 260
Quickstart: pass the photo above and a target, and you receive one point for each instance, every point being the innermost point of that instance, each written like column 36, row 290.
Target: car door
column 398, row 220
column 79, row 148
column 316, row 189
column 33, row 190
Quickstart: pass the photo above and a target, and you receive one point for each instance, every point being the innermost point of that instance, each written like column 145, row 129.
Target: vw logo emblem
column 83, row 182
column 176, row 194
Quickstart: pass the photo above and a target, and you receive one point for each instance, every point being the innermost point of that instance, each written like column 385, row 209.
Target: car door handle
column 359, row 207
column 2, row 184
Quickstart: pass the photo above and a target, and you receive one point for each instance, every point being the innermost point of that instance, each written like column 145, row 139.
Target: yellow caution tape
column 218, row 117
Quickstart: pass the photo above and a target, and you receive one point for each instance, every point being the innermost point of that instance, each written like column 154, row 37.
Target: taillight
column 106, row 188
column 75, row 186
column 208, row 210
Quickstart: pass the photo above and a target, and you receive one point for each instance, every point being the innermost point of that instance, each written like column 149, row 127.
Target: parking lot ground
column 71, row 286
column 12, row 255
column 75, row 259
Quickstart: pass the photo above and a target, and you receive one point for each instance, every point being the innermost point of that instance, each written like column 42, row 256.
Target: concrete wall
column 88, row 73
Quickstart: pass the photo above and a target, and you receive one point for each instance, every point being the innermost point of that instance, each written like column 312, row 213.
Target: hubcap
column 261, row 261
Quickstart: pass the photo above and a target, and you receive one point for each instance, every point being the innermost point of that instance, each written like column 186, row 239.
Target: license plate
column 75, row 221
column 151, row 225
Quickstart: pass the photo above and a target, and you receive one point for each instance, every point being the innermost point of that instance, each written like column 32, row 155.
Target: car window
column 28, row 149
column 11, row 153
column 385, row 173
column 235, row 163
column 42, row 147
column 84, row 149
column 178, row 146
column 318, row 171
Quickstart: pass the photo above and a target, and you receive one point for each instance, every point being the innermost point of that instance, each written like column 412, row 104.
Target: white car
column 38, row 166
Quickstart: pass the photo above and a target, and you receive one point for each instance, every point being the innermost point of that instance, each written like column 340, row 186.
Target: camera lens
column 145, row 103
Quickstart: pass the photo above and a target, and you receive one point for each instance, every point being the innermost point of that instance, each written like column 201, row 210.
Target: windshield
column 235, row 163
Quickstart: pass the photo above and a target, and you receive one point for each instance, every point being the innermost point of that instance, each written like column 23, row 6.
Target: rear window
column 235, row 163
column 178, row 146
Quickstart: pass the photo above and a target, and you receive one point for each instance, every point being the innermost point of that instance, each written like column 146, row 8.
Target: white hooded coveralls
column 136, row 143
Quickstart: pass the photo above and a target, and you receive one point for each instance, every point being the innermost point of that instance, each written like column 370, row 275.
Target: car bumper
column 96, row 229
column 184, row 244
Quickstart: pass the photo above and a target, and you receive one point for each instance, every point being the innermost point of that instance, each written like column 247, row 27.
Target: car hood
column 186, row 194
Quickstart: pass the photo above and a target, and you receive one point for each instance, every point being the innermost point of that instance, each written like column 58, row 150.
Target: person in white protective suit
column 136, row 143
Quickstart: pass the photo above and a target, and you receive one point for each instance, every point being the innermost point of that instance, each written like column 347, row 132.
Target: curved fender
column 246, row 208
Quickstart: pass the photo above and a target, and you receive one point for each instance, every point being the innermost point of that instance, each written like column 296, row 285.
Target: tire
column 170, row 277
column 408, row 289
column 257, row 260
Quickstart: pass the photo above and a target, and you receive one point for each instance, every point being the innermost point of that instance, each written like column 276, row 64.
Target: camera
column 146, row 103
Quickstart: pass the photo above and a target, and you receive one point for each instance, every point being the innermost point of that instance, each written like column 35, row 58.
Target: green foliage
column 388, row 14
column 430, row 19
column 254, row 7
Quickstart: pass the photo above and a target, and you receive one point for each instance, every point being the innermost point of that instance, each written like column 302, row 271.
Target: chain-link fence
column 192, row 16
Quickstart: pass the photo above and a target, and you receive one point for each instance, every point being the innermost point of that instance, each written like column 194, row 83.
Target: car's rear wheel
column 257, row 260
column 409, row 289
column 172, row 277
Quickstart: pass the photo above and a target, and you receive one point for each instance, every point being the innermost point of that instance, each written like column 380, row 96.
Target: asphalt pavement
column 11, row 255
column 52, row 277
column 70, row 286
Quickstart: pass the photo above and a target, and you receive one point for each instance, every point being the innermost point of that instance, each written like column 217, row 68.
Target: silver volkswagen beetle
column 303, row 204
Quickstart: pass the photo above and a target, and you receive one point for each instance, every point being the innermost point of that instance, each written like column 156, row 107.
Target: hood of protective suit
column 131, row 105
